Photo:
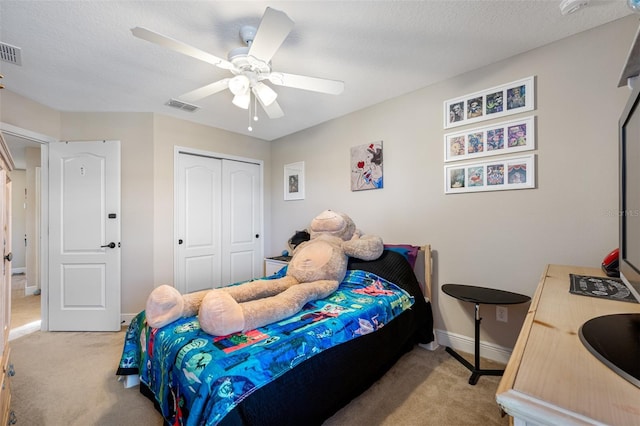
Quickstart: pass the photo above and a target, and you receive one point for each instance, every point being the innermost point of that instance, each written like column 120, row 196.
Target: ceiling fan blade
column 273, row 110
column 274, row 28
column 203, row 92
column 314, row 84
column 264, row 93
column 180, row 47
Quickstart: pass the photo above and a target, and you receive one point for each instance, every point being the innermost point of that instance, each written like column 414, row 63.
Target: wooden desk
column 551, row 378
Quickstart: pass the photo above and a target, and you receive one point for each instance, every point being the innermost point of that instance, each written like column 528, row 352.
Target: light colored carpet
column 426, row 388
column 69, row 379
column 24, row 309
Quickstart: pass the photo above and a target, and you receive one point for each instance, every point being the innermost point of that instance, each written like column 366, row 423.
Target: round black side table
column 480, row 296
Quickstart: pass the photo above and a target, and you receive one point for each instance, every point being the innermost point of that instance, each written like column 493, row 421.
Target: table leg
column 477, row 338
column 476, row 371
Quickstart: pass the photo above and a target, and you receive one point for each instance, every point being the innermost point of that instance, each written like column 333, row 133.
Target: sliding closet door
column 198, row 200
column 218, row 222
column 242, row 222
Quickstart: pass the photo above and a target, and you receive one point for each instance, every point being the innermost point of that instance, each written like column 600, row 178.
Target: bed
column 298, row 371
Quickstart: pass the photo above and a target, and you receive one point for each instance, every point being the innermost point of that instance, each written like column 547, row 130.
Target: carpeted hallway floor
column 24, row 309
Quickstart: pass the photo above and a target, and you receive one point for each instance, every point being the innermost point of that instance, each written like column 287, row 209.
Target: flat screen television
column 629, row 188
column 615, row 339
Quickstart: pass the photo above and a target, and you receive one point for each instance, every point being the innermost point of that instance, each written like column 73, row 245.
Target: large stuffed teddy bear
column 315, row 271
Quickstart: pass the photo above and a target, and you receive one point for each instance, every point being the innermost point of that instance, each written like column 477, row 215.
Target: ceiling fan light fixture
column 250, row 64
column 266, row 94
column 242, row 100
column 570, row 6
column 239, row 85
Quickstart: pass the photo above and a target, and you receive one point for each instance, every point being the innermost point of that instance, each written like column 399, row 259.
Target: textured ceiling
column 81, row 55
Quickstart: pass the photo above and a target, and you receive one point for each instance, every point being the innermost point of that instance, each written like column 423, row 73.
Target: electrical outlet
column 502, row 314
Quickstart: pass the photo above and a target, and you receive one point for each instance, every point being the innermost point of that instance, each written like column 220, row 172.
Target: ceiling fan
column 250, row 65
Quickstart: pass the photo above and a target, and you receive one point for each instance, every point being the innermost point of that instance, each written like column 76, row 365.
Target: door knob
column 8, row 257
column 110, row 245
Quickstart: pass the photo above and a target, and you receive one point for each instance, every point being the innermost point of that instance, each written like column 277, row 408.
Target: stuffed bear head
column 333, row 223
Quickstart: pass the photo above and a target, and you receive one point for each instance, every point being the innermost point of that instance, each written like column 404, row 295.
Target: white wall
column 170, row 132
column 32, row 228
column 18, row 219
column 135, row 133
column 30, row 115
column 499, row 239
column 147, row 142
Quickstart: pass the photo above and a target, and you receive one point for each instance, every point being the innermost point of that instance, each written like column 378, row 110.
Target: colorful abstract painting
column 366, row 167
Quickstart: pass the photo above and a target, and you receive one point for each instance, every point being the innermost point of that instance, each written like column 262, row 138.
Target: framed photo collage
column 506, row 137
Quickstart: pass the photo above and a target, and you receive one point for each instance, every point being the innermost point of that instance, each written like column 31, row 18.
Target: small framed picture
column 366, row 167
column 500, row 138
column 497, row 174
column 511, row 98
column 294, row 181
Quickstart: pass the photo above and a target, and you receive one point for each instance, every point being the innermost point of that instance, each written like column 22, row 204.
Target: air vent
column 11, row 54
column 174, row 103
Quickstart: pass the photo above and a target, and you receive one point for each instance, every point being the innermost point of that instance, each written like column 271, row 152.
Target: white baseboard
column 15, row 271
column 467, row 344
column 125, row 319
column 30, row 290
column 23, row 330
column 431, row 346
column 129, row 381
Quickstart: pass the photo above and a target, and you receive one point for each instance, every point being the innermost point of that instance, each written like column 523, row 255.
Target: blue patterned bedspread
column 197, row 378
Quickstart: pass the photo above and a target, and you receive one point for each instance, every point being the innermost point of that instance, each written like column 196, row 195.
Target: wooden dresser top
column 551, row 376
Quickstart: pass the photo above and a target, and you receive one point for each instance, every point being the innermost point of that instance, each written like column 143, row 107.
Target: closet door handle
column 8, row 257
column 110, row 245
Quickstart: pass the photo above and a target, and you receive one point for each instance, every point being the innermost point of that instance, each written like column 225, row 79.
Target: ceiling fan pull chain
column 250, row 128
column 255, row 108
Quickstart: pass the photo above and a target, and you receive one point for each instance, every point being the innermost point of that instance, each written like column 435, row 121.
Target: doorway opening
column 27, row 149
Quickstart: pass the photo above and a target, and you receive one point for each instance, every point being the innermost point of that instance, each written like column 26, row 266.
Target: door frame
column 177, row 150
column 44, row 142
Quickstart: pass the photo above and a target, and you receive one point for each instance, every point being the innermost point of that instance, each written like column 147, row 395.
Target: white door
column 241, row 234
column 5, row 279
column 218, row 222
column 84, row 236
column 198, row 197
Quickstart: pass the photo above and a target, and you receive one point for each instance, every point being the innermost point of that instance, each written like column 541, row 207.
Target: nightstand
column 274, row 264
